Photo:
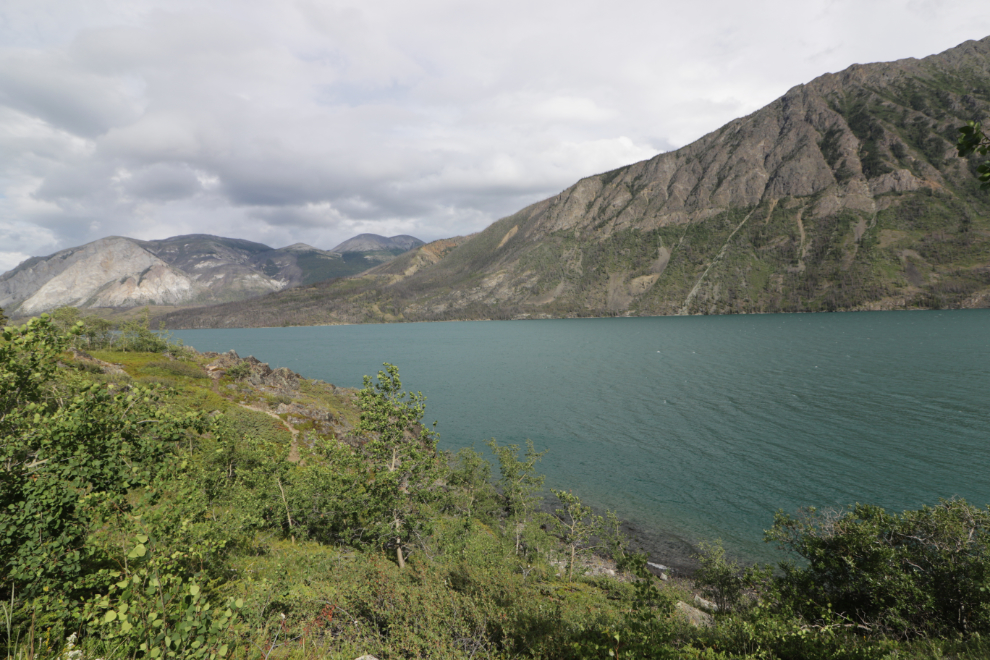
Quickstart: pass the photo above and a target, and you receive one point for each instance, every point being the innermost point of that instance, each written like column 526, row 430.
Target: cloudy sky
column 315, row 120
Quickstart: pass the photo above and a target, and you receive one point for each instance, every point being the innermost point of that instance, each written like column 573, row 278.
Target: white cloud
column 9, row 260
column 311, row 121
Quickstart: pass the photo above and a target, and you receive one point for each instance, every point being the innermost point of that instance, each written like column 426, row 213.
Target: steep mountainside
column 192, row 269
column 845, row 193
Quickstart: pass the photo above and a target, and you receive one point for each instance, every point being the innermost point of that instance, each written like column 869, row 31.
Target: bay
column 692, row 428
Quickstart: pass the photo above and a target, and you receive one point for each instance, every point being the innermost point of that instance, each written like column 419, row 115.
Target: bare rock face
column 110, row 272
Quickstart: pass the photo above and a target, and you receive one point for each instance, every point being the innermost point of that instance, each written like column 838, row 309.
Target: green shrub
column 915, row 574
column 239, row 371
column 720, row 579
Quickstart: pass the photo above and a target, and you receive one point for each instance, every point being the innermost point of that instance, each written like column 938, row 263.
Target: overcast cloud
column 313, row 121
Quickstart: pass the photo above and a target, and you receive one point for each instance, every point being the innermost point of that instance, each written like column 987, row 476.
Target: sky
column 284, row 121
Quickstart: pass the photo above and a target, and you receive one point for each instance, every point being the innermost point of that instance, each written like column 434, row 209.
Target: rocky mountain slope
column 845, row 193
column 192, row 269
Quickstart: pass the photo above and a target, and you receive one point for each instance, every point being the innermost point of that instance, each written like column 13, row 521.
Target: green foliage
column 520, row 486
column 151, row 610
column 972, row 140
column 72, row 450
column 402, row 458
column 576, row 525
column 3, row 318
column 136, row 335
column 919, row 573
column 720, row 579
column 239, row 371
column 97, row 333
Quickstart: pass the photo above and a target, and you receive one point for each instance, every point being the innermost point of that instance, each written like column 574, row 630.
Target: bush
column 720, row 579
column 238, row 371
column 915, row 574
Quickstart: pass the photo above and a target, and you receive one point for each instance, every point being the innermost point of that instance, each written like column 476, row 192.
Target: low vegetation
column 168, row 504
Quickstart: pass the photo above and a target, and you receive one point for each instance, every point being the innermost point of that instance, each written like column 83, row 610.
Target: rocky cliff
column 845, row 193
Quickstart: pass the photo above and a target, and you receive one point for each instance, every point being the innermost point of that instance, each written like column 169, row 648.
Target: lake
column 692, row 428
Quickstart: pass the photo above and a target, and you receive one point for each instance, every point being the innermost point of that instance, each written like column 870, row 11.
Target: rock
column 693, row 615
column 367, row 657
column 706, row 605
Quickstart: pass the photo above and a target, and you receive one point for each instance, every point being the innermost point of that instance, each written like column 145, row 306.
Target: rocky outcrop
column 256, row 372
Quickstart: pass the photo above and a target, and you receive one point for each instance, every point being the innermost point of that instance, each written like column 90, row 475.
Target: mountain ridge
column 117, row 271
column 844, row 193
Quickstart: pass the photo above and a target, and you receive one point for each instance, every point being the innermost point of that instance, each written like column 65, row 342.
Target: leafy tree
column 576, row 525
column 69, row 448
column 65, row 317
column 519, row 483
column 3, row 318
column 136, row 335
column 720, row 579
column 403, row 461
column 97, row 332
column 972, row 140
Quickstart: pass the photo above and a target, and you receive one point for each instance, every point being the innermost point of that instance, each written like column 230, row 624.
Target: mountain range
column 193, row 269
column 846, row 193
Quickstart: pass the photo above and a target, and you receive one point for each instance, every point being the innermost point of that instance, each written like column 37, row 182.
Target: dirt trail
column 294, row 447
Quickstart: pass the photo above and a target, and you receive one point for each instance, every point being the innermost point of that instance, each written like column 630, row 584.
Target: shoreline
column 662, row 548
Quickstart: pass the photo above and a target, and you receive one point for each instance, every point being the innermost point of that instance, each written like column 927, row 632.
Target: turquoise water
column 698, row 426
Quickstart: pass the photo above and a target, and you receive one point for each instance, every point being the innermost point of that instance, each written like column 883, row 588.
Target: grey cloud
column 310, row 121
column 53, row 88
column 162, row 182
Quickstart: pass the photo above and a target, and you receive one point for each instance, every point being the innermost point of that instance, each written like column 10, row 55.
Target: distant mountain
column 376, row 243
column 844, row 194
column 192, row 269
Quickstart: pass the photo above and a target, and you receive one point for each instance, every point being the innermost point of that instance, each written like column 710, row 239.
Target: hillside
column 199, row 269
column 844, row 194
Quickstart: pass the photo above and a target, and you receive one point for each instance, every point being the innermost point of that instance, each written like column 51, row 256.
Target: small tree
column 519, row 483
column 3, row 318
column 576, row 525
column 97, row 332
column 914, row 574
column 720, row 579
column 404, row 463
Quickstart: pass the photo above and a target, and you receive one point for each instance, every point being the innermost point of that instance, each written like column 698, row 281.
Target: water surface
column 699, row 426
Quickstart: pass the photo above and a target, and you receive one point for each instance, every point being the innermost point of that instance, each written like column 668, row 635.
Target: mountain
column 192, row 269
column 375, row 243
column 844, row 194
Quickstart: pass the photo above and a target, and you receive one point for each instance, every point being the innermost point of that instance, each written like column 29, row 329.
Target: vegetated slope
column 374, row 242
column 845, row 193
column 123, row 272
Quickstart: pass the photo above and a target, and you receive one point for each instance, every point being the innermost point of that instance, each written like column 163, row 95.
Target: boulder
column 693, row 615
